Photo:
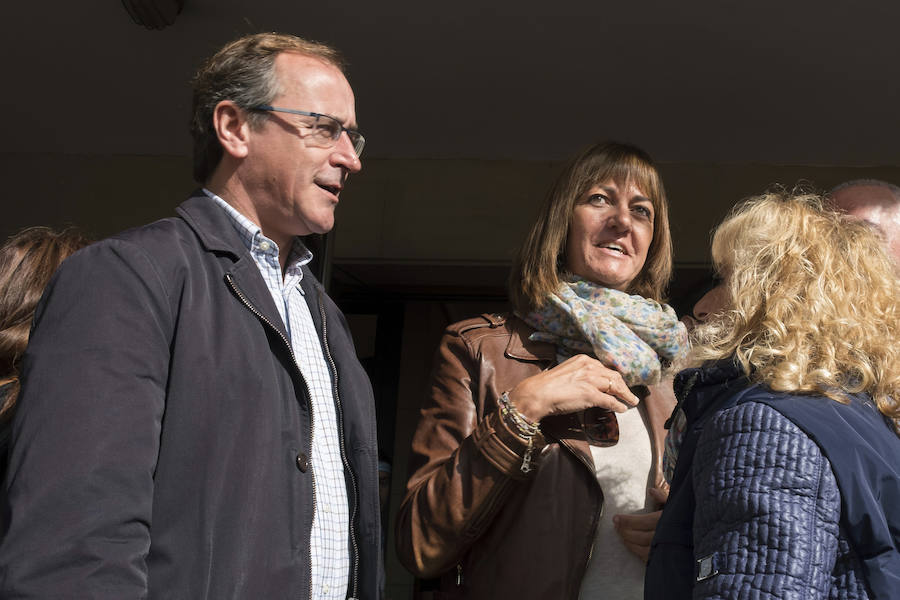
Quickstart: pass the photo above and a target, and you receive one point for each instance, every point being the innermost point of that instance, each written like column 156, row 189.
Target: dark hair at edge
column 243, row 71
column 28, row 260
column 541, row 259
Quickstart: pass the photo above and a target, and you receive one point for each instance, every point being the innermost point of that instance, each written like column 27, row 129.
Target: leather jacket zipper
column 354, row 587
column 231, row 283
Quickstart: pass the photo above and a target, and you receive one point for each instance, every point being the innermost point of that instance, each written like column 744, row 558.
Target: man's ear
column 232, row 128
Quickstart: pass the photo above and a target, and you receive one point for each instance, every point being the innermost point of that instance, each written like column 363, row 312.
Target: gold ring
column 608, row 385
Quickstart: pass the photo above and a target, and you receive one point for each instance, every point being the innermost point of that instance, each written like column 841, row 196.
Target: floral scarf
column 632, row 334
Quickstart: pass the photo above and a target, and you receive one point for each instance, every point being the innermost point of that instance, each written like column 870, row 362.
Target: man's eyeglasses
column 325, row 130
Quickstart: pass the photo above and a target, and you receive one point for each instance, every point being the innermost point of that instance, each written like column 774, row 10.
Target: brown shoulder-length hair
column 27, row 262
column 541, row 259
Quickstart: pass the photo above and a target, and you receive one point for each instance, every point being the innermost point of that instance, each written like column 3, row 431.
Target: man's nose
column 345, row 155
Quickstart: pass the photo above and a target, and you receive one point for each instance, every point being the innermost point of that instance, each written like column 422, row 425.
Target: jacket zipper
column 230, row 279
column 340, row 416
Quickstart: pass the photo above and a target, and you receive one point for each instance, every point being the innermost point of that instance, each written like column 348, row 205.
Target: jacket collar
column 211, row 225
column 522, row 348
column 218, row 235
column 714, row 373
column 699, row 388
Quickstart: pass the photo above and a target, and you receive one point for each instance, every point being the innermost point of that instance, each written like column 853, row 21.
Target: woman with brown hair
column 27, row 262
column 526, row 448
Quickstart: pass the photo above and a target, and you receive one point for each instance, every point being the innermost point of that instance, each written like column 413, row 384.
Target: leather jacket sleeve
column 464, row 461
column 768, row 508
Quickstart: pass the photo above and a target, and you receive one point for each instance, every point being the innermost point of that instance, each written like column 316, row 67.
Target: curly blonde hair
column 813, row 301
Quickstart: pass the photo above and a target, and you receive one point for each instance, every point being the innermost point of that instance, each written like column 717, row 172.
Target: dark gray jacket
column 161, row 444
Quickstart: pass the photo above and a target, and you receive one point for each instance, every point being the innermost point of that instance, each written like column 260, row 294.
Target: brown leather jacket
column 470, row 515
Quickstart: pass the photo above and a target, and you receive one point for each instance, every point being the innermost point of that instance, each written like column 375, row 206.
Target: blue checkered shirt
column 329, row 539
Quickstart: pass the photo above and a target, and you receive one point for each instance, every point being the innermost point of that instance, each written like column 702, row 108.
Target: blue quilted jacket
column 777, row 496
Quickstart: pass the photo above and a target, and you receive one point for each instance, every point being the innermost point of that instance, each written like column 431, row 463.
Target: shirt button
column 264, row 246
column 302, row 462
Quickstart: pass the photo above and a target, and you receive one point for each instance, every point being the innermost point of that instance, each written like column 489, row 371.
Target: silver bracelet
column 525, row 428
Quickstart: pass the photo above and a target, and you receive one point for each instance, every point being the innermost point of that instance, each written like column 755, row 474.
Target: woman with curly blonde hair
column 786, row 433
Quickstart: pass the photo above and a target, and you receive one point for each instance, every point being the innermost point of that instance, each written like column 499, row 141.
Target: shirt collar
column 257, row 243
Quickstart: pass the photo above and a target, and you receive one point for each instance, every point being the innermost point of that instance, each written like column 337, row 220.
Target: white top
column 623, row 471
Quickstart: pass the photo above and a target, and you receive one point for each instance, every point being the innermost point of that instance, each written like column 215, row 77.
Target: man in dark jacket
column 193, row 420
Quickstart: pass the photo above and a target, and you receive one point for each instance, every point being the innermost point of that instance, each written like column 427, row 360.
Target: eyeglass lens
column 328, row 130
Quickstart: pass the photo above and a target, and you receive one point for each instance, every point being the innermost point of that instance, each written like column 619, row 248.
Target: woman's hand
column 637, row 530
column 578, row 383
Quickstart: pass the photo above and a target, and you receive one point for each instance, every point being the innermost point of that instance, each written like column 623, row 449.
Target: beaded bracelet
column 523, row 425
column 525, row 428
